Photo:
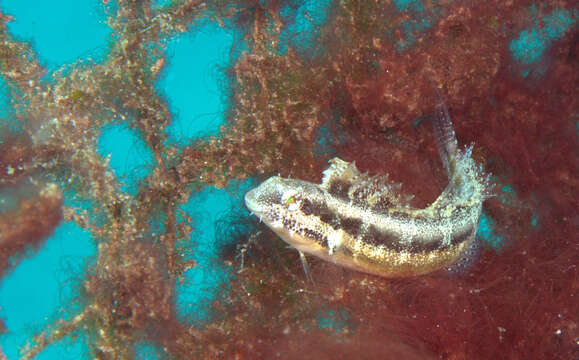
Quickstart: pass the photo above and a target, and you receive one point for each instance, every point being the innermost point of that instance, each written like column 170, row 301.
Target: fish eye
column 291, row 200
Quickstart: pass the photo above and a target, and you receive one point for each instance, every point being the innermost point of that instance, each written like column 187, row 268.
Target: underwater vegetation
column 306, row 81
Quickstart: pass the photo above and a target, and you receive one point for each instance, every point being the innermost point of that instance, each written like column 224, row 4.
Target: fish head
column 286, row 206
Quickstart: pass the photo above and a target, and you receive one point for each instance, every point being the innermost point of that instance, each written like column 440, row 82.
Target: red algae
column 38, row 206
column 29, row 225
column 516, row 301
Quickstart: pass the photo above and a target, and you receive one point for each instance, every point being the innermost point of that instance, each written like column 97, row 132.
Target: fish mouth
column 251, row 201
column 253, row 204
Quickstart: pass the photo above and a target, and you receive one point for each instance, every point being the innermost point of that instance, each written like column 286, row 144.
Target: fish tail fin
column 444, row 134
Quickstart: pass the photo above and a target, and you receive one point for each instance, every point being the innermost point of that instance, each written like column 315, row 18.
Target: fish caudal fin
column 444, row 134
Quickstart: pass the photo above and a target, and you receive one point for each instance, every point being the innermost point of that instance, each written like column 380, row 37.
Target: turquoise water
column 62, row 34
column 302, row 31
column 128, row 155
column 42, row 289
column 531, row 44
column 194, row 82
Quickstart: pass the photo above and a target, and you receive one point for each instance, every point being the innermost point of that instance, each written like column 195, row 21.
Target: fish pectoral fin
column 306, row 267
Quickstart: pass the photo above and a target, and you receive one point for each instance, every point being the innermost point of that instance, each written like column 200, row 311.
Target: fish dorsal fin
column 342, row 179
column 378, row 193
column 340, row 171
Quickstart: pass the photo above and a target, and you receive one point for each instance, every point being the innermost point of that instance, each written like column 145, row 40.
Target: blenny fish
column 364, row 223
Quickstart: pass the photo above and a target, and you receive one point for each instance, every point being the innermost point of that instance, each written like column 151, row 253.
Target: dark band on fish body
column 339, row 189
column 351, row 226
column 392, row 241
column 307, row 207
column 371, row 235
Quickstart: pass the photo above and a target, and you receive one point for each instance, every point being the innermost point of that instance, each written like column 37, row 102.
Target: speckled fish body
column 364, row 223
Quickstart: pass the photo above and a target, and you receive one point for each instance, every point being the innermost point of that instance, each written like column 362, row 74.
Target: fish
column 365, row 223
